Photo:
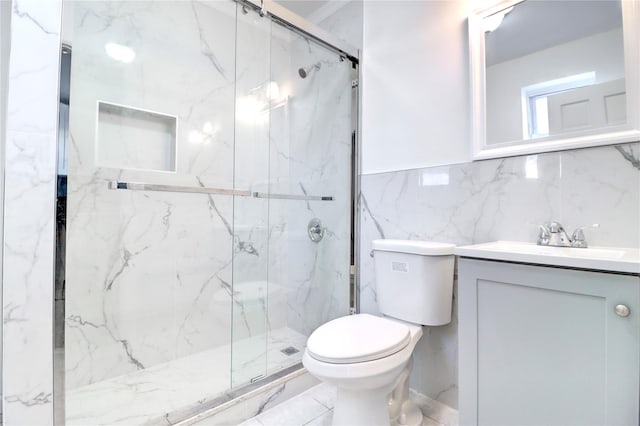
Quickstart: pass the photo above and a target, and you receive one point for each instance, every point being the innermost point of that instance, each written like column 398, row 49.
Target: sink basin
column 591, row 252
column 598, row 258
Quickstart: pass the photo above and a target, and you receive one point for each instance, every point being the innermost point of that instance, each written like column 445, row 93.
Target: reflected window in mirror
column 535, row 102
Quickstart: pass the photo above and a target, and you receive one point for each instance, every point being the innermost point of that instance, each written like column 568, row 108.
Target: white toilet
column 368, row 358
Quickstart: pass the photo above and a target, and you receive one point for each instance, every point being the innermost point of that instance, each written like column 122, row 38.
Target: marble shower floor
column 147, row 396
column 314, row 407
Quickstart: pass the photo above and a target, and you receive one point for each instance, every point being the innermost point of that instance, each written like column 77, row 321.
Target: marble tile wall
column 315, row 126
column 143, row 286
column 157, row 276
column 29, row 199
column 106, row 329
column 308, row 151
column 501, row 199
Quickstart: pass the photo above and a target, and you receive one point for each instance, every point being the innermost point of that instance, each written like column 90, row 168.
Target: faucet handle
column 578, row 239
column 543, row 235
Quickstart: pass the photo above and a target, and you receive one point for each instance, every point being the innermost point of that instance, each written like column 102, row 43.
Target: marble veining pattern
column 29, row 211
column 256, row 402
column 501, row 199
column 148, row 396
column 125, row 247
column 156, row 277
column 314, row 407
column 629, row 153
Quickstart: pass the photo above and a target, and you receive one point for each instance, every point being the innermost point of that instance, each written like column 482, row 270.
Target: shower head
column 304, row 72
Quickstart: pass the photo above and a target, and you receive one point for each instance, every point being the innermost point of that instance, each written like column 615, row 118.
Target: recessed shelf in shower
column 134, row 138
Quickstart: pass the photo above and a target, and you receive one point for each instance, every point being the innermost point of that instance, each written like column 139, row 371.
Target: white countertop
column 615, row 259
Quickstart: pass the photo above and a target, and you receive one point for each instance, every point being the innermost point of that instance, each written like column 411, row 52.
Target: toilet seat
column 357, row 338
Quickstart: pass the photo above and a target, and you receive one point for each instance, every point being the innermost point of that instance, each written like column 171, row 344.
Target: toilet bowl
column 363, row 356
column 369, row 358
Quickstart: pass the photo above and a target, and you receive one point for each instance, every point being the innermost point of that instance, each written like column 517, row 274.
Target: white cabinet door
column 544, row 346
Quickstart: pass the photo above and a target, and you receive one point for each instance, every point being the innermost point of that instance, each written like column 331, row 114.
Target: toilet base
column 402, row 411
column 411, row 415
column 357, row 408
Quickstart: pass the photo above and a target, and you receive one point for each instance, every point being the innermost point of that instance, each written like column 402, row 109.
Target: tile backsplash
column 499, row 199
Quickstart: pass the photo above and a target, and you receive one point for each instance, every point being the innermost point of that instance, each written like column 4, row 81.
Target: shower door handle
column 138, row 186
column 176, row 188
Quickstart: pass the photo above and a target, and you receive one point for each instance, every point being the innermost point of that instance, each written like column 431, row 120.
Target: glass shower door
column 251, row 287
column 293, row 148
column 196, row 160
column 148, row 285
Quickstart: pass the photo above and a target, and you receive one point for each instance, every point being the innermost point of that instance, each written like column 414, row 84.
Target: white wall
column 415, row 85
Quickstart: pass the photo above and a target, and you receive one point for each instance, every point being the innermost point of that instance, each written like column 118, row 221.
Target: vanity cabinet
column 543, row 345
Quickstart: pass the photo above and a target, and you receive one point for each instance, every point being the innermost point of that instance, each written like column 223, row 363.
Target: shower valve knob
column 315, row 230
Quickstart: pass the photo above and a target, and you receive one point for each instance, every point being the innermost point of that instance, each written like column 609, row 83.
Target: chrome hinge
column 354, row 83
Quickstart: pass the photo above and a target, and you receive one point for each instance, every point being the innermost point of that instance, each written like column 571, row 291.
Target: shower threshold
column 186, row 384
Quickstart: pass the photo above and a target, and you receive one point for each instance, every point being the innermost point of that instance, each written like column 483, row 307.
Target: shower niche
column 134, row 138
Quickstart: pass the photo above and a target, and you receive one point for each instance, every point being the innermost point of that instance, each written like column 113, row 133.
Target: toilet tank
column 414, row 280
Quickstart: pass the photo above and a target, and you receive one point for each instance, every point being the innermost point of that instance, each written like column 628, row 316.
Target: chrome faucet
column 553, row 234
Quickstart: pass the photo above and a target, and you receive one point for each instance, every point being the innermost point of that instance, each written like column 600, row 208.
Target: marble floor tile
column 428, row 421
column 436, row 410
column 298, row 411
column 325, row 394
column 323, row 419
column 314, row 407
column 252, row 422
column 144, row 396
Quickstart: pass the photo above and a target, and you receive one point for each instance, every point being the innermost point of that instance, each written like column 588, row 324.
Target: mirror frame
column 631, row 132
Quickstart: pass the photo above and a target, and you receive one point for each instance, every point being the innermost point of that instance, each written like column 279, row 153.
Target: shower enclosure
column 204, row 203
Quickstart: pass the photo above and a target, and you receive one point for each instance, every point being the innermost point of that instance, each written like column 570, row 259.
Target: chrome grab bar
column 114, row 185
column 174, row 188
column 293, row 197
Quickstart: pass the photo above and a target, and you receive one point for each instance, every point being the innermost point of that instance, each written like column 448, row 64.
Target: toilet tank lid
column 425, row 248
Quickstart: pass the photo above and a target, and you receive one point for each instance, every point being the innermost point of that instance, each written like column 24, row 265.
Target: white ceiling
column 314, row 10
column 304, row 8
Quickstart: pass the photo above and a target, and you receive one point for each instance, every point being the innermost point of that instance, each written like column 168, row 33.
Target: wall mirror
column 554, row 75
